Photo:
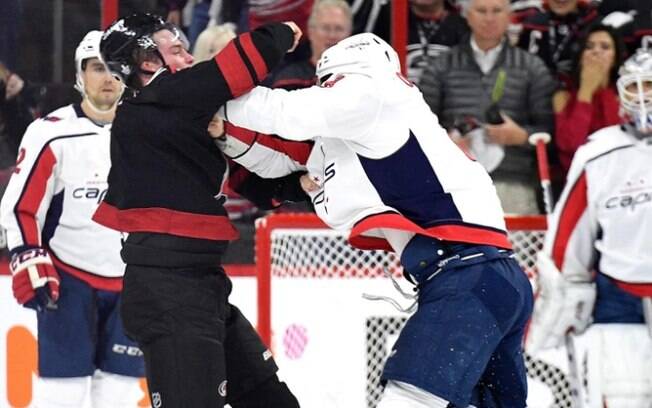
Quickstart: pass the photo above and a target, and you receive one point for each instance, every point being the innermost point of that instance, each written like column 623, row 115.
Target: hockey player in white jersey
column 595, row 271
column 383, row 167
column 64, row 265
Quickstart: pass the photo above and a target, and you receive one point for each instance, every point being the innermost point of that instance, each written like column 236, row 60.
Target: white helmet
column 635, row 90
column 88, row 48
column 364, row 53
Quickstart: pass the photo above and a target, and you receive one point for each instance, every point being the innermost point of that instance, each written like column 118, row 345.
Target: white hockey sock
column 61, row 392
column 402, row 395
column 110, row 390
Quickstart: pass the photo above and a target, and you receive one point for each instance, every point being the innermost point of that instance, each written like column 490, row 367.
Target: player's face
column 172, row 50
column 488, row 19
column 562, row 7
column 101, row 88
column 599, row 47
column 329, row 27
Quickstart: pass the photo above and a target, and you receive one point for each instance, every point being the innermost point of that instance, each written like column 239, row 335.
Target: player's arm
column 265, row 155
column 344, row 110
column 23, row 210
column 241, row 65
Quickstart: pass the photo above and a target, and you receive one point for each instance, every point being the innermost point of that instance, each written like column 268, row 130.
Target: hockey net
column 293, row 248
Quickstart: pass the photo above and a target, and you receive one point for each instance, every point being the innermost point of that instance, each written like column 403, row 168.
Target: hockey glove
column 561, row 307
column 35, row 281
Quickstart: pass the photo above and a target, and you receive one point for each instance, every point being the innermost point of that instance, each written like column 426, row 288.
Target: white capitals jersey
column 381, row 159
column 60, row 178
column 603, row 220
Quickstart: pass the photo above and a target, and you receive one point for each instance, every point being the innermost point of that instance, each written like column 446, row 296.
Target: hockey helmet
column 126, row 36
column 88, row 48
column 635, row 90
column 364, row 53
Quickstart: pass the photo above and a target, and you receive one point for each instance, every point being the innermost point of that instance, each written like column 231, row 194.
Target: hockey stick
column 540, row 140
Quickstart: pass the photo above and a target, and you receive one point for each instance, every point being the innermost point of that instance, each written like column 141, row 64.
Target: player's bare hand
column 307, row 184
column 297, row 34
column 216, row 127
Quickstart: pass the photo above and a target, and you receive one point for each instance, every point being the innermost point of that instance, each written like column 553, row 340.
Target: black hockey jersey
column 167, row 174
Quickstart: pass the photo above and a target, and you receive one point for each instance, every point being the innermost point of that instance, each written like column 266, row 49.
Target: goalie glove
column 35, row 282
column 561, row 307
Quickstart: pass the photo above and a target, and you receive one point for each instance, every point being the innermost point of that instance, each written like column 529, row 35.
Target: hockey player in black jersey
column 165, row 191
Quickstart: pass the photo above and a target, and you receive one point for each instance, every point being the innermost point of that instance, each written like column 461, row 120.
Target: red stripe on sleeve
column 570, row 215
column 297, row 151
column 234, row 70
column 32, row 196
column 253, row 55
column 244, row 135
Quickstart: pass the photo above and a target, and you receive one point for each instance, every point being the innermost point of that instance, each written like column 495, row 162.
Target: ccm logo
column 128, row 350
column 89, row 192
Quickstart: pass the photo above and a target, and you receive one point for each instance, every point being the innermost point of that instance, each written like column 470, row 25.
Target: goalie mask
column 635, row 91
column 128, row 37
column 365, row 54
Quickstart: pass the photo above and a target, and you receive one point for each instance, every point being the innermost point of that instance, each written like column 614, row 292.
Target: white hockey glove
column 561, row 307
column 35, row 281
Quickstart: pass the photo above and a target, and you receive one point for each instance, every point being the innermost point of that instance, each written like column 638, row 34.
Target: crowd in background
column 494, row 73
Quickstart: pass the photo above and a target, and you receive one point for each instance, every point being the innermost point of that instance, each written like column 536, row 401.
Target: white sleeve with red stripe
column 573, row 227
column 346, row 109
column 267, row 156
column 31, row 187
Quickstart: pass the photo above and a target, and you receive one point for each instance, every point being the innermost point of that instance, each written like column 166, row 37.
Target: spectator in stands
column 503, row 93
column 591, row 102
column 198, row 20
column 211, row 41
column 9, row 21
column 267, row 11
column 635, row 17
column 16, row 113
column 553, row 34
column 433, row 27
column 330, row 21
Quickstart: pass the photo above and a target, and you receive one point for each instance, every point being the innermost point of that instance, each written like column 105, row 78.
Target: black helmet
column 126, row 35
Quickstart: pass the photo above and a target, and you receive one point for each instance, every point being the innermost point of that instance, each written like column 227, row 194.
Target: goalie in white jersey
column 596, row 266
column 382, row 166
column 64, row 265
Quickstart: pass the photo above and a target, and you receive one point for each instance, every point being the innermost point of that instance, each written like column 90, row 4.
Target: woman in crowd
column 590, row 100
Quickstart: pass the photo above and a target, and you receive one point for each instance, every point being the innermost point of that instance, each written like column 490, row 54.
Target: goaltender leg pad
column 66, row 336
column 115, row 352
column 615, row 365
column 467, row 328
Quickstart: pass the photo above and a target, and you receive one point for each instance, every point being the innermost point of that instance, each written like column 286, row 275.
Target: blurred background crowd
column 494, row 71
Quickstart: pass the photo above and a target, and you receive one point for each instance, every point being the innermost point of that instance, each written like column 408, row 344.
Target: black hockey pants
column 200, row 351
